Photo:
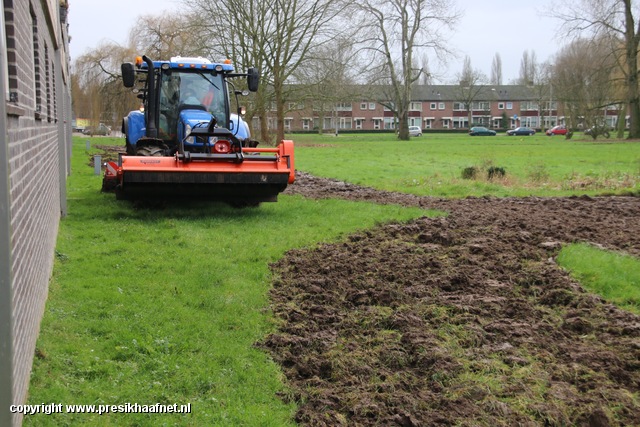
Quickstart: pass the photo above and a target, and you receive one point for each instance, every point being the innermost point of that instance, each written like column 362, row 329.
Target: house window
column 363, row 105
column 287, row 123
column 500, row 105
column 428, row 123
column 433, row 106
column 459, row 106
column 415, row 121
column 480, row 106
column 372, row 106
column 441, row 106
column 460, row 122
column 509, row 105
column 376, row 124
column 415, row 106
column 345, row 123
column 343, row 106
column 389, row 123
column 529, row 121
column 305, row 124
column 359, row 123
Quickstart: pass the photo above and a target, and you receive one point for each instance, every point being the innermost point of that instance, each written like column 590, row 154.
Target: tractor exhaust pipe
column 152, row 124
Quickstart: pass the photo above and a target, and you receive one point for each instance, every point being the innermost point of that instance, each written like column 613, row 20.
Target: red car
column 557, row 130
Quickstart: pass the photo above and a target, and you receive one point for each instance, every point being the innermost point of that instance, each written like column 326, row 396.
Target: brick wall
column 37, row 126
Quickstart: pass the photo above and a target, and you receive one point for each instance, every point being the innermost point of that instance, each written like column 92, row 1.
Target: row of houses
column 437, row 107
column 35, row 117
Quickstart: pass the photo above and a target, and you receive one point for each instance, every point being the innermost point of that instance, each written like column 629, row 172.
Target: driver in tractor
column 169, row 101
column 181, row 91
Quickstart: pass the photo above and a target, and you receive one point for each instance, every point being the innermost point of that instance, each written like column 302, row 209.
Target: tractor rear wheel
column 149, row 151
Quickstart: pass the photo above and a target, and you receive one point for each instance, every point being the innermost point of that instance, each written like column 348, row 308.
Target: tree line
column 328, row 47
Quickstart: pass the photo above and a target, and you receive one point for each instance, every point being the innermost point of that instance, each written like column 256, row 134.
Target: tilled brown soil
column 458, row 320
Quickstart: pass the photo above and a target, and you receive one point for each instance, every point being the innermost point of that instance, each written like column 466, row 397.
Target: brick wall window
column 54, row 97
column 36, row 65
column 11, row 58
column 47, row 80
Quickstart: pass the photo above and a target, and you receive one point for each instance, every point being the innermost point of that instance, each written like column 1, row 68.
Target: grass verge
column 613, row 276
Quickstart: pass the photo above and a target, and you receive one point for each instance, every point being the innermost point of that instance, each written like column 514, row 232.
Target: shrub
column 470, row 172
column 496, row 172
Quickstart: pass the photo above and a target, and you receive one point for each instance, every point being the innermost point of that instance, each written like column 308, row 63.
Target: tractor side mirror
column 252, row 79
column 128, row 74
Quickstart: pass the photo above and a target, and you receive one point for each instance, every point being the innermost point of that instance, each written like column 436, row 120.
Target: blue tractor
column 186, row 142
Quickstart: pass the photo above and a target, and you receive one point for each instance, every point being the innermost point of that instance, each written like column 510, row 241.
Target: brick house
column 436, row 107
column 35, row 119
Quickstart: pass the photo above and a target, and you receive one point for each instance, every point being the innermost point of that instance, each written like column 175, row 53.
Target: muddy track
column 458, row 320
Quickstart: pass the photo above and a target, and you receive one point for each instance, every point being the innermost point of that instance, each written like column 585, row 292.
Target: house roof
column 430, row 93
column 485, row 93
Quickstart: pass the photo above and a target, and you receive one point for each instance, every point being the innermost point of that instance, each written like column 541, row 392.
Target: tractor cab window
column 189, row 90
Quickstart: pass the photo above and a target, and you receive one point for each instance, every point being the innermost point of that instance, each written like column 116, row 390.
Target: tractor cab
column 179, row 95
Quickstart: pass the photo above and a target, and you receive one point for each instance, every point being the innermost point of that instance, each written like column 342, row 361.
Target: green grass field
column 164, row 305
column 432, row 165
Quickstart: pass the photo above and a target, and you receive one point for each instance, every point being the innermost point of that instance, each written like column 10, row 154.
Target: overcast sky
column 488, row 27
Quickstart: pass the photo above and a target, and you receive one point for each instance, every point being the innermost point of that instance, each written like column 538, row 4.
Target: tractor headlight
column 187, row 131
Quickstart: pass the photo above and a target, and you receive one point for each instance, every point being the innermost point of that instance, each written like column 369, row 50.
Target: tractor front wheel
column 149, row 151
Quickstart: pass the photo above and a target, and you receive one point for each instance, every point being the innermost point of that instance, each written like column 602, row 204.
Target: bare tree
column 471, row 83
column 242, row 41
column 496, row 70
column 167, row 35
column 99, row 95
column 395, row 30
column 617, row 20
column 540, row 84
column 426, row 77
column 528, row 65
column 277, row 33
column 328, row 77
column 582, row 81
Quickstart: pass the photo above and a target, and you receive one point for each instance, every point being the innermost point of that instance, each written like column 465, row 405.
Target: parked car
column 557, row 130
column 521, row 131
column 101, row 129
column 481, row 131
column 415, row 131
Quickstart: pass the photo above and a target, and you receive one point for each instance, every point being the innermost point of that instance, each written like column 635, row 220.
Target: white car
column 415, row 131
